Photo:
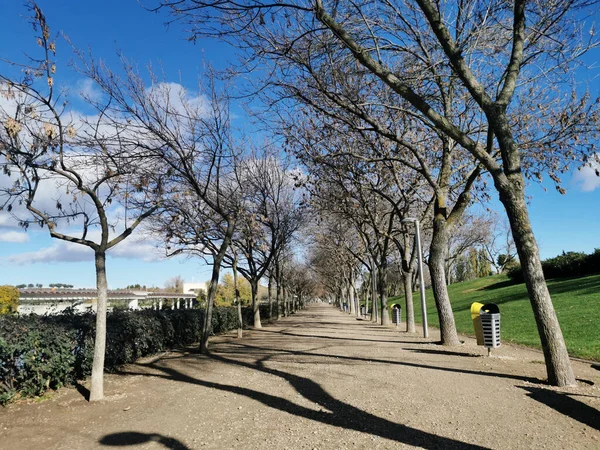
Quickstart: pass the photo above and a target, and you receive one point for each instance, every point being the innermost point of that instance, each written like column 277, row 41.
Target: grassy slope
column 577, row 304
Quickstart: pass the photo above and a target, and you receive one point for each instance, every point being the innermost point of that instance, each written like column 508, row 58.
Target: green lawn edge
column 576, row 301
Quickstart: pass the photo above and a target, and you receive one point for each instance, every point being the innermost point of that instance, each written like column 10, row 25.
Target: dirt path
column 320, row 380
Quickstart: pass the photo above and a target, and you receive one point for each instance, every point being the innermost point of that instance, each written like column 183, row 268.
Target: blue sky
column 561, row 222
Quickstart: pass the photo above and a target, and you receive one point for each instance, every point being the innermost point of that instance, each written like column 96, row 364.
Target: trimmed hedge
column 567, row 265
column 46, row 352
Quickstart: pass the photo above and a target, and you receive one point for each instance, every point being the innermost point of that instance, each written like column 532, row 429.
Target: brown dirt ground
column 320, row 379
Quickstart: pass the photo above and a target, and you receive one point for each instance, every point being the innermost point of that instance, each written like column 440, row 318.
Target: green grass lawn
column 576, row 300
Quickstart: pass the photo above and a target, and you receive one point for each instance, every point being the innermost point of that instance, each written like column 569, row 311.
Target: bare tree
column 174, row 284
column 272, row 215
column 507, row 58
column 82, row 162
column 472, row 232
column 499, row 248
column 189, row 138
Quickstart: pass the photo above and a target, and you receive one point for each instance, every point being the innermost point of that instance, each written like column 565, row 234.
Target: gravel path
column 320, row 379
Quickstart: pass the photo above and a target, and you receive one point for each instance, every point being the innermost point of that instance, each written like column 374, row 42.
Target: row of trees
column 151, row 150
column 397, row 110
column 444, row 97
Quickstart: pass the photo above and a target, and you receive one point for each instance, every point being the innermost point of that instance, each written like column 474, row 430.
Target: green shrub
column 46, row 352
column 9, row 299
column 569, row 264
column 34, row 356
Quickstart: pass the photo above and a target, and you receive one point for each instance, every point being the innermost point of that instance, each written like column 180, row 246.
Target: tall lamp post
column 421, row 277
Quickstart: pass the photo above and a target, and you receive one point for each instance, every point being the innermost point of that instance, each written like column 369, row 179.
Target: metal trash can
column 490, row 324
column 363, row 311
column 476, row 318
column 396, row 315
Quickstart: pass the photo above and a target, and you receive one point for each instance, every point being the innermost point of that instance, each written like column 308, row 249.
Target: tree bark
column 97, row 383
column 278, row 290
column 255, row 303
column 366, row 292
column 437, row 259
column 558, row 364
column 382, row 272
column 210, row 299
column 351, row 295
column 407, row 279
column 278, row 298
column 212, row 288
column 236, row 291
column 374, row 315
column 270, row 296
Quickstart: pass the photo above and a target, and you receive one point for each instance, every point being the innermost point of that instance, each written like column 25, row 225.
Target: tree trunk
column 270, row 297
column 210, row 299
column 437, row 259
column 558, row 364
column 366, row 292
column 255, row 303
column 278, row 291
column 374, row 315
column 212, row 288
column 278, row 298
column 382, row 272
column 407, row 279
column 97, row 385
column 237, row 299
column 351, row 296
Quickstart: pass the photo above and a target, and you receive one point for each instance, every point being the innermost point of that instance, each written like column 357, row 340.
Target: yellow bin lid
column 475, row 309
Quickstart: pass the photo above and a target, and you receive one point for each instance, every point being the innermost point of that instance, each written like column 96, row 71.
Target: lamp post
column 421, row 277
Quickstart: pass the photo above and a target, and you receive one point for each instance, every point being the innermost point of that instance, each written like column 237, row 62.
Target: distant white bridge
column 52, row 301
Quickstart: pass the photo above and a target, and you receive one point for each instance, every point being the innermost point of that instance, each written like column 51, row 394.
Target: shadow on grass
column 583, row 285
column 565, row 405
column 334, row 412
column 130, row 438
column 500, row 285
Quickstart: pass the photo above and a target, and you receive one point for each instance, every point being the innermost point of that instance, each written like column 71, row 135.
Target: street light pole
column 421, row 277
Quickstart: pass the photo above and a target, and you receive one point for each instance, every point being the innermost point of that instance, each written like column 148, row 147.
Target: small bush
column 34, row 356
column 46, row 352
column 9, row 299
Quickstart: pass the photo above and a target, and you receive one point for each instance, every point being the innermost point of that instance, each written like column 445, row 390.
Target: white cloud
column 171, row 96
column 62, row 251
column 13, row 236
column 586, row 177
column 59, row 252
column 87, row 89
column 137, row 249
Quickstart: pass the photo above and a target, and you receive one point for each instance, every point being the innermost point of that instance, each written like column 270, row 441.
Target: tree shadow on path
column 564, row 404
column 399, row 363
column 129, row 438
column 334, row 412
column 442, row 352
column 339, row 338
